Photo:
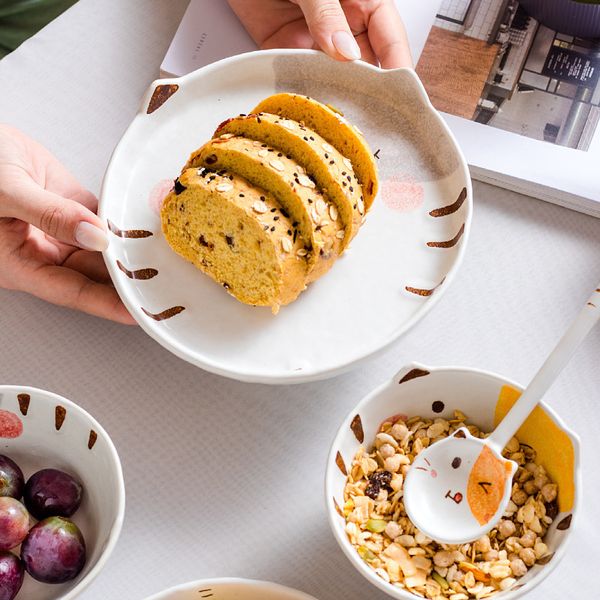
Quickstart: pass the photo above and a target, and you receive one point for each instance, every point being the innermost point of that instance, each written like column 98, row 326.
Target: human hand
column 343, row 29
column 50, row 236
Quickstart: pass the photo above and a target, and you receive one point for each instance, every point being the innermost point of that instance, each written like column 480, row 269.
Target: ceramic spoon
column 458, row 488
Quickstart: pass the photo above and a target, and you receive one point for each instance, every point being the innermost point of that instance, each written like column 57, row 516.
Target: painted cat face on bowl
column 486, row 398
column 458, row 485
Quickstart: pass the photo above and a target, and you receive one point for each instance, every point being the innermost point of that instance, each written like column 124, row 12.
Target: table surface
column 213, row 488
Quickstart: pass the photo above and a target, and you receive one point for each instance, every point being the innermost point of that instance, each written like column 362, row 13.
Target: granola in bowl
column 380, row 531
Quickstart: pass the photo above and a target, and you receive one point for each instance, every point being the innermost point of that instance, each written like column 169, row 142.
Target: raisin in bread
column 238, row 234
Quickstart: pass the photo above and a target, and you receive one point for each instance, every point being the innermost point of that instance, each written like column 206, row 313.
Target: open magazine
column 520, row 91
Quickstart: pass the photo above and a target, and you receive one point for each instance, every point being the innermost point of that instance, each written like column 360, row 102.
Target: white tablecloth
column 224, row 478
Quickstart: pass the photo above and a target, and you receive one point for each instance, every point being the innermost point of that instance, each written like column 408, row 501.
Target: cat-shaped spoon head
column 458, row 488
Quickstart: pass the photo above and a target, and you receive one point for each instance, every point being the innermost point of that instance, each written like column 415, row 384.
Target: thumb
column 329, row 28
column 61, row 218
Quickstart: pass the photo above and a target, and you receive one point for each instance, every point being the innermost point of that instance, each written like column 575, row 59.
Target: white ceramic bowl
column 230, row 589
column 485, row 398
column 39, row 430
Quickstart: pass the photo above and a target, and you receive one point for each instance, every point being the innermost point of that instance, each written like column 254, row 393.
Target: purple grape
column 11, row 478
column 11, row 575
column 14, row 523
column 54, row 550
column 52, row 493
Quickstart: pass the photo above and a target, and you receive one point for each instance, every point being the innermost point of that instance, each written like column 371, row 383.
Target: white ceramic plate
column 39, row 430
column 230, row 589
column 397, row 268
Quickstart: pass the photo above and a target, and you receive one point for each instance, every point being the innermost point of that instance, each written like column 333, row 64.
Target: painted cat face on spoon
column 463, row 484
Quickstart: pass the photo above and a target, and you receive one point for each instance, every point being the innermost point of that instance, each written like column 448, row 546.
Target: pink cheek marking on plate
column 10, row 425
column 433, row 473
column 158, row 194
column 402, row 193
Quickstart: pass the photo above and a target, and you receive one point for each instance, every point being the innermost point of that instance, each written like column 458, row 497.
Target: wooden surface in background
column 454, row 69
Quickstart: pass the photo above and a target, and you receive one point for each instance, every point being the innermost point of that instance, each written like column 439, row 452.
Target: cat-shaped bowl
column 230, row 589
column 418, row 390
column 39, row 430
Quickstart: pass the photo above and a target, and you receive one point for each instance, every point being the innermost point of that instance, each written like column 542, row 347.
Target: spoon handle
column 549, row 371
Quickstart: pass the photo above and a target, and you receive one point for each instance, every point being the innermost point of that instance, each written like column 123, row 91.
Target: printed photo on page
column 529, row 67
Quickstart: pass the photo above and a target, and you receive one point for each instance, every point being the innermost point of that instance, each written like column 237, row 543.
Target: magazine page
column 209, row 31
column 530, row 69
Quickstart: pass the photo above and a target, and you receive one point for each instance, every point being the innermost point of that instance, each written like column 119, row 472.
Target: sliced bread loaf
column 238, row 234
column 332, row 173
column 334, row 128
column 315, row 216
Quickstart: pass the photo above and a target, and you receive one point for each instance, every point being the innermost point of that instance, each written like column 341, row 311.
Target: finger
column 83, row 196
column 292, row 35
column 61, row 218
column 388, row 37
column 329, row 28
column 60, row 181
column 262, row 18
column 66, row 287
column 367, row 53
column 90, row 264
column 50, row 174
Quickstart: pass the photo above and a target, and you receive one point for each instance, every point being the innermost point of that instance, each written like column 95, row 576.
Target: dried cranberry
column 377, row 481
column 384, row 478
column 372, row 491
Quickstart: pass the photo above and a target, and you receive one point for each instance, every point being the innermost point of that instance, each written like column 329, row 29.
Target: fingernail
column 346, row 45
column 90, row 237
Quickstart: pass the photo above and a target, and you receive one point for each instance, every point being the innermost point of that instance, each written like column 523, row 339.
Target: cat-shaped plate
column 399, row 265
column 418, row 390
column 230, row 589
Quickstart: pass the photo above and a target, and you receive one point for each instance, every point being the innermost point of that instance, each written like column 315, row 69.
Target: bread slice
column 315, row 215
column 334, row 128
column 238, row 234
column 331, row 171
